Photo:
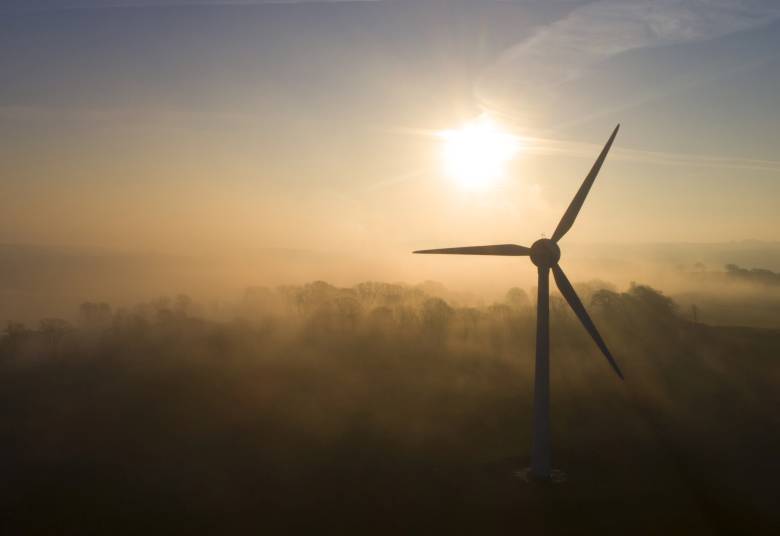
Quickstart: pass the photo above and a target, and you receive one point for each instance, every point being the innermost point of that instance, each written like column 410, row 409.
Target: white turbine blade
column 576, row 204
column 574, row 301
column 508, row 250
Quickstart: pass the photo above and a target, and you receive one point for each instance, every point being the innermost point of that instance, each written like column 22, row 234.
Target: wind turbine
column 545, row 254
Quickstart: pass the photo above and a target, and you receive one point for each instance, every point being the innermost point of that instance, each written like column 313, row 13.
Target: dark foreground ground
column 166, row 423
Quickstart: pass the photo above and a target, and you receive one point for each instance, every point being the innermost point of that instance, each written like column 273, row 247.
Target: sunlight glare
column 476, row 154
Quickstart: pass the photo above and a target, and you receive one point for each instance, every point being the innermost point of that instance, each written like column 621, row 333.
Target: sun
column 477, row 153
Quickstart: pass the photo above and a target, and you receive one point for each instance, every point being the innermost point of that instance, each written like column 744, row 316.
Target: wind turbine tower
column 545, row 254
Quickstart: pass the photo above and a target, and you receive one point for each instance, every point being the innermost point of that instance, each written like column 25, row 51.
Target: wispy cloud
column 551, row 147
column 597, row 31
column 548, row 147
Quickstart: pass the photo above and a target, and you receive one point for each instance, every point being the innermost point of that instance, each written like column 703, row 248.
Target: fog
column 211, row 320
column 44, row 281
column 403, row 405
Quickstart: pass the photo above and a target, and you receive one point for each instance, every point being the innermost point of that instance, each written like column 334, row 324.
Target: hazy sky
column 196, row 126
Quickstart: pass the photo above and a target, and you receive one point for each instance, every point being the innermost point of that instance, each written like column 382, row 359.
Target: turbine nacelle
column 545, row 253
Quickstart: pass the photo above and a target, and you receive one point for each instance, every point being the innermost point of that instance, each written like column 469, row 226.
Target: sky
column 184, row 127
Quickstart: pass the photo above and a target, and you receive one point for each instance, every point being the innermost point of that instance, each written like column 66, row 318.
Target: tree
column 517, row 298
column 95, row 315
column 436, row 315
column 54, row 329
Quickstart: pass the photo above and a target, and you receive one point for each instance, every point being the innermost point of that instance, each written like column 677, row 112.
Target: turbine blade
column 576, row 204
column 511, row 250
column 574, row 301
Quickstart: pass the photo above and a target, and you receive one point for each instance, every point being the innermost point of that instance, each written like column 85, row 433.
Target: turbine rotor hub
column 545, row 253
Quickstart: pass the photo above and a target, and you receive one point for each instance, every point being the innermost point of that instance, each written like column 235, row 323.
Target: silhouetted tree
column 517, row 298
column 54, row 329
column 95, row 315
column 754, row 275
column 436, row 315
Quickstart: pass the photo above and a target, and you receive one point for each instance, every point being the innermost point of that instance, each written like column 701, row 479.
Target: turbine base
column 557, row 476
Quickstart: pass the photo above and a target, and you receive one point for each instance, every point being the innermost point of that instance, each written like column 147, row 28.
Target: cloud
column 587, row 151
column 594, row 33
